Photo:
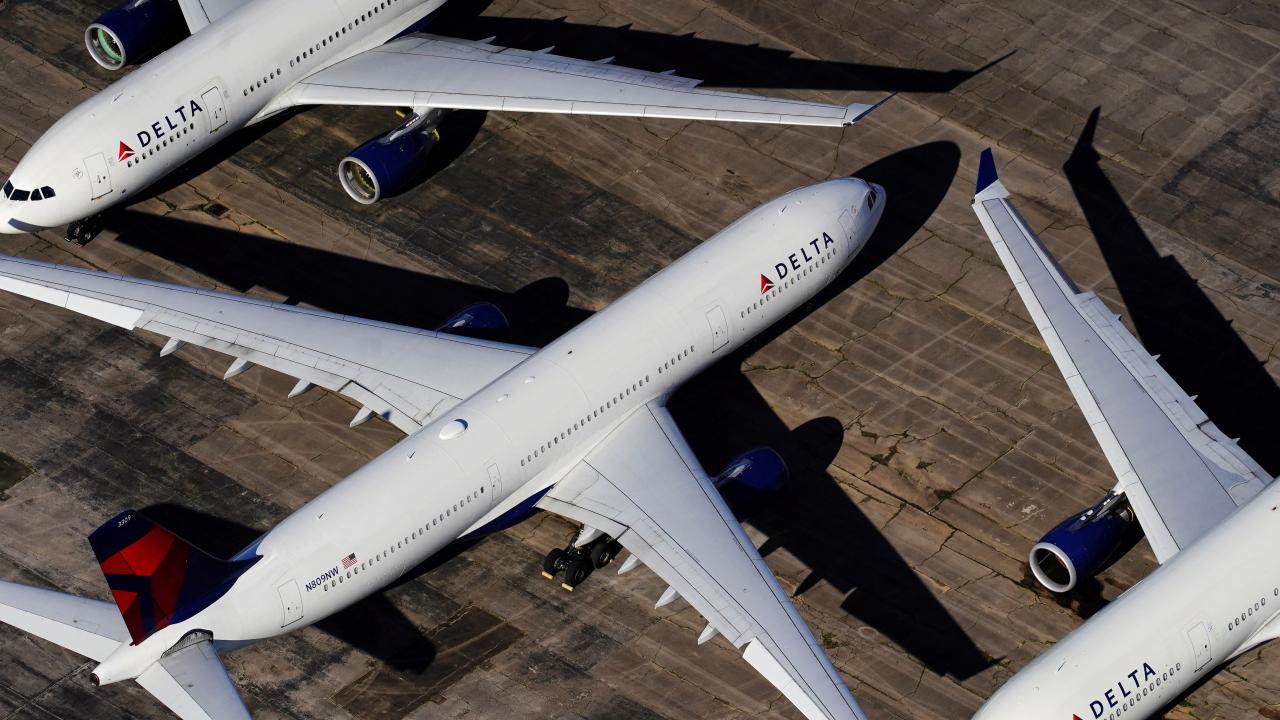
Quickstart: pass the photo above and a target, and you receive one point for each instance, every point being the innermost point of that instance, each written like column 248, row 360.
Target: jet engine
column 1081, row 544
column 386, row 164
column 482, row 320
column 760, row 469
column 133, row 31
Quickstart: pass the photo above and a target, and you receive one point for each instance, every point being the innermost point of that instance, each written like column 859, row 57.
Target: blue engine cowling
column 480, row 319
column 385, row 165
column 133, row 31
column 1080, row 545
column 761, row 468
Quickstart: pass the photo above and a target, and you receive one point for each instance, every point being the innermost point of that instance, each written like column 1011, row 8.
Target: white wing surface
column 402, row 374
column 193, row 684
column 1180, row 473
column 427, row 71
column 200, row 13
column 643, row 486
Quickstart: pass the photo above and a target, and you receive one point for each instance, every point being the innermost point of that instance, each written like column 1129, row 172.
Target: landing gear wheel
column 576, row 573
column 553, row 563
column 81, row 232
column 603, row 553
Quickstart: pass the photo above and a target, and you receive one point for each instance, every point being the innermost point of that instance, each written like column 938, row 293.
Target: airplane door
column 846, row 222
column 99, row 177
column 215, row 111
column 495, row 484
column 291, row 602
column 1200, row 645
column 719, row 328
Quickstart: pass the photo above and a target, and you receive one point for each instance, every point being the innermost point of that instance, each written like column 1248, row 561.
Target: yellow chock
column 548, row 575
column 567, row 586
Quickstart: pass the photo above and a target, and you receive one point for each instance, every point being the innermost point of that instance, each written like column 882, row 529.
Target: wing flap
column 433, row 71
column 642, row 486
column 402, row 374
column 1181, row 474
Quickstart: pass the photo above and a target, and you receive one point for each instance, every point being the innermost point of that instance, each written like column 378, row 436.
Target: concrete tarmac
column 931, row 439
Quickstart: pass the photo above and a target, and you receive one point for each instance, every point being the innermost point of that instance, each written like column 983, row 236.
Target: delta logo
column 796, row 260
column 160, row 128
column 1114, row 697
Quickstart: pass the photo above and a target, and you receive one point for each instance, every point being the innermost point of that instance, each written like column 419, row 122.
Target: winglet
column 857, row 111
column 989, row 185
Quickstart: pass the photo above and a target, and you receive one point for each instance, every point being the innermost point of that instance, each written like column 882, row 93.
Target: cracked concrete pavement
column 930, row 437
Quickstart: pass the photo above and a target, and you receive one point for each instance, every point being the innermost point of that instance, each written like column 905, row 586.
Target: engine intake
column 1080, row 545
column 761, row 468
column 386, row 164
column 133, row 31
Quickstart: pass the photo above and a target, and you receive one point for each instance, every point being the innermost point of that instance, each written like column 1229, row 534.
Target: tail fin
column 156, row 577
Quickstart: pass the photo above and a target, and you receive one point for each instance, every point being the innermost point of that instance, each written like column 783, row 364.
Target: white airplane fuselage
column 227, row 76
column 1208, row 604
column 509, row 442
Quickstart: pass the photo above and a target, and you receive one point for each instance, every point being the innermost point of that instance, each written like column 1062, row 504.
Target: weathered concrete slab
column 930, row 438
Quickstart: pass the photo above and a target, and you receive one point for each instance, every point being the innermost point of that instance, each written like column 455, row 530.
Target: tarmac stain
column 457, row 647
column 12, row 472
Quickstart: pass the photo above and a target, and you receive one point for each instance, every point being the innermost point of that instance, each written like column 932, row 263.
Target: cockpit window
column 16, row 195
column 871, row 199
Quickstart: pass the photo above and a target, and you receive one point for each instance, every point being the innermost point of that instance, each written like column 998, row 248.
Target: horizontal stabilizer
column 91, row 628
column 193, row 684
column 156, row 577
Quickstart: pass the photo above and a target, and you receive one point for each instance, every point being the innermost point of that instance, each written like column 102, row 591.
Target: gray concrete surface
column 930, row 436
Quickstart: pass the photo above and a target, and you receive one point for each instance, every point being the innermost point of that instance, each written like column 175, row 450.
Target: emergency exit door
column 1200, row 645
column 291, row 603
column 99, row 176
column 214, row 110
column 719, row 328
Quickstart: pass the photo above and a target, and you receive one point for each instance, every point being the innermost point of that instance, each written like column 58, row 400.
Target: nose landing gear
column 81, row 232
column 577, row 561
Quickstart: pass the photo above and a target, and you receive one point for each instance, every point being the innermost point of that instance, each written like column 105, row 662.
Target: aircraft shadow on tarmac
column 1173, row 316
column 721, row 411
column 715, row 62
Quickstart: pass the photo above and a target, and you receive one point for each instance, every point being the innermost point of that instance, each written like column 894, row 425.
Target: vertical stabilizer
column 156, row 577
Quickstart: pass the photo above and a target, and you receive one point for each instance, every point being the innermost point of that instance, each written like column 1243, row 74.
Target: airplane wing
column 193, row 683
column 428, row 71
column 402, row 374
column 1180, row 473
column 643, row 486
column 200, row 13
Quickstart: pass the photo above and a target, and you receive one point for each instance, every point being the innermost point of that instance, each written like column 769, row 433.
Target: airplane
column 494, row 432
column 1209, row 512
column 248, row 60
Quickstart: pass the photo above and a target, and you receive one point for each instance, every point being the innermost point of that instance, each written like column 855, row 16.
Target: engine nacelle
column 476, row 319
column 133, row 31
column 1081, row 544
column 761, row 469
column 385, row 165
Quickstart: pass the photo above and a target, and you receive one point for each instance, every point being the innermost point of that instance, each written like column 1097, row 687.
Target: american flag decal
column 348, row 561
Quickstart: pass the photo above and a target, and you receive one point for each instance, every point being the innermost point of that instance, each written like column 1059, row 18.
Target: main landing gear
column 588, row 551
column 81, row 232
